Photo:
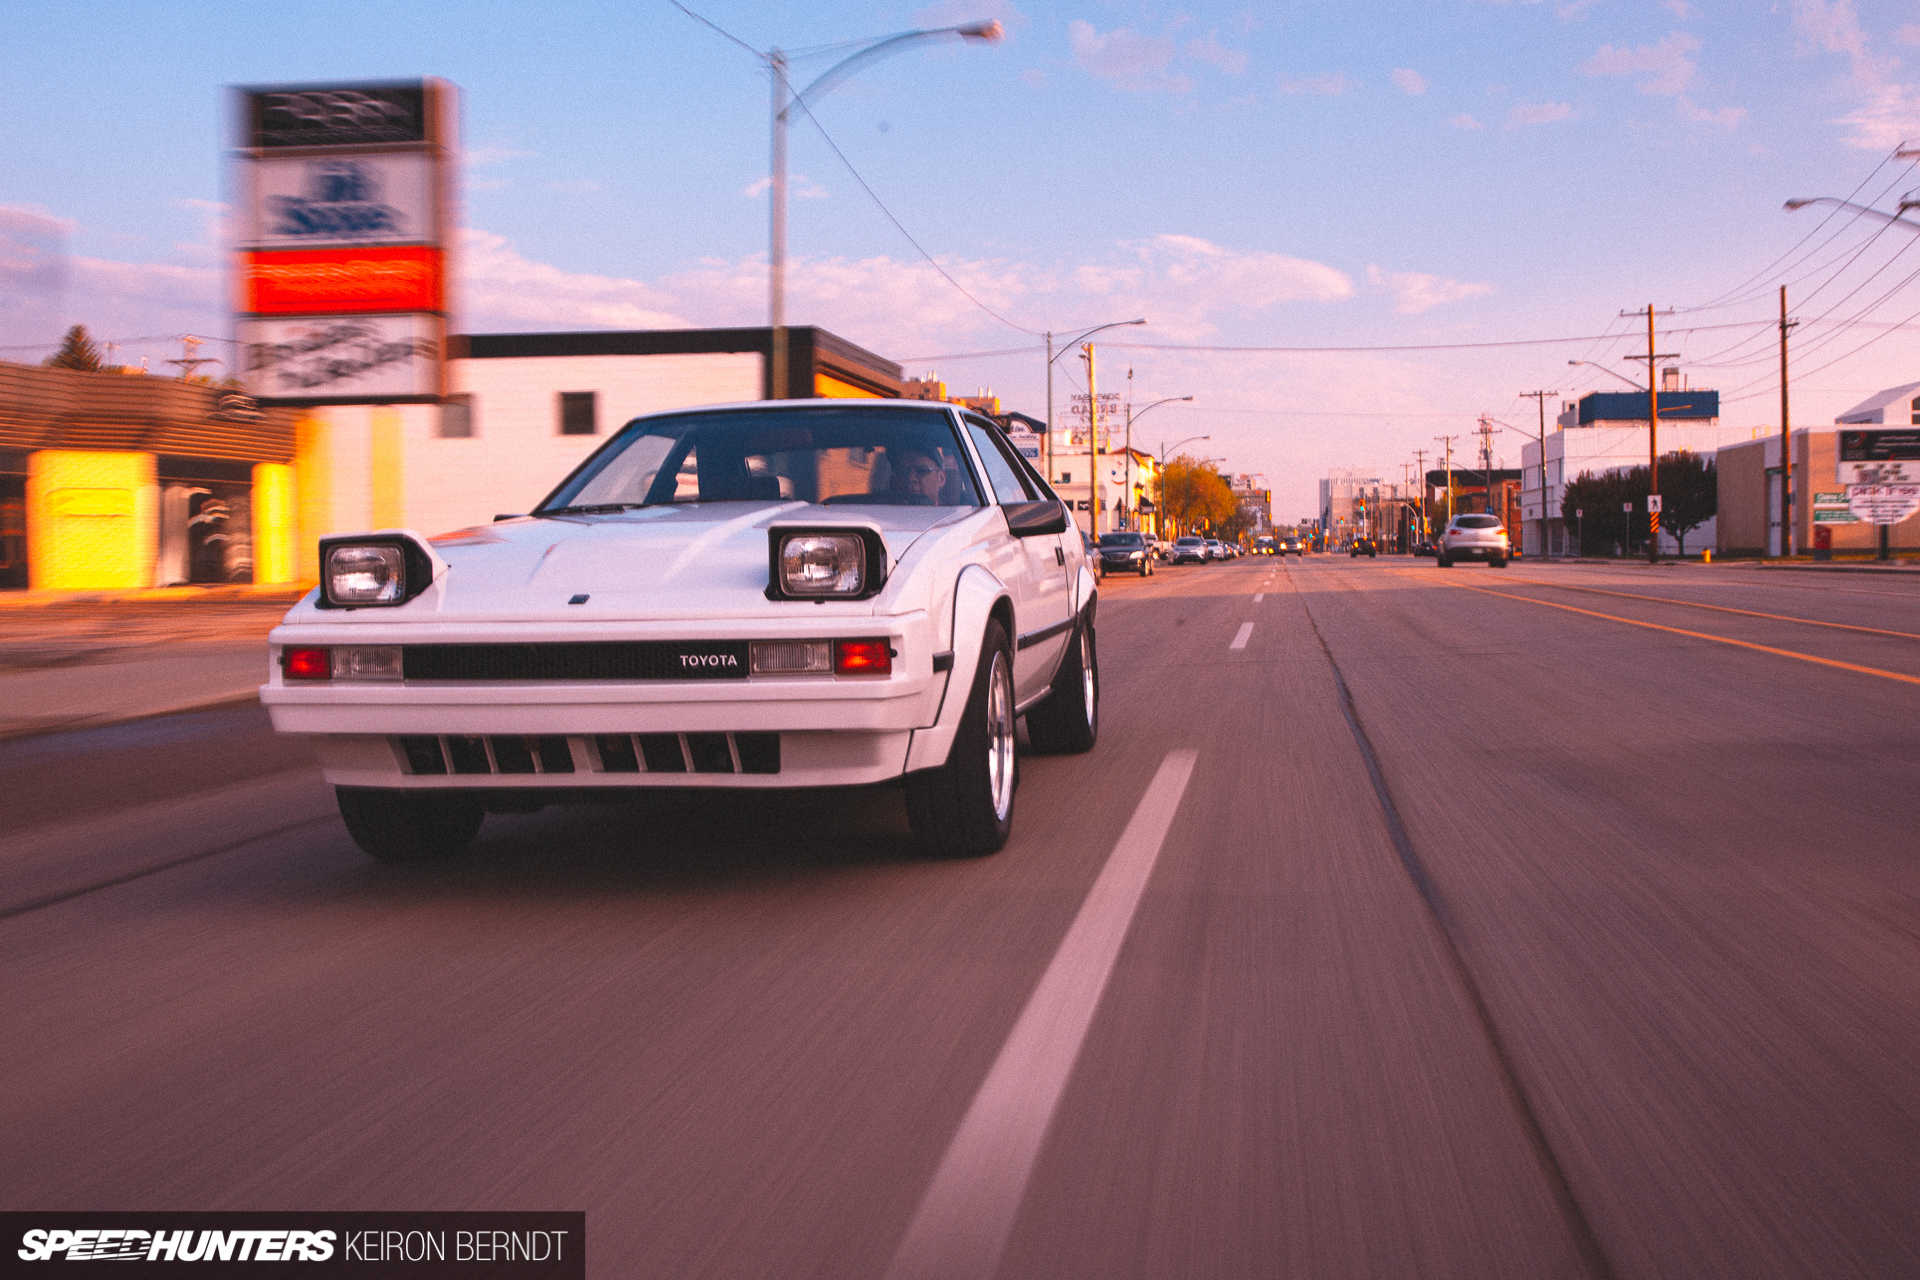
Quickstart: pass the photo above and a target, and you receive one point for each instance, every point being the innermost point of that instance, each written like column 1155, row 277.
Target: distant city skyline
column 1412, row 176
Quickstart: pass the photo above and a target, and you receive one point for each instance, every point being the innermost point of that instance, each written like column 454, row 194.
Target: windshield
column 1477, row 522
column 1188, row 542
column 831, row 455
column 1121, row 540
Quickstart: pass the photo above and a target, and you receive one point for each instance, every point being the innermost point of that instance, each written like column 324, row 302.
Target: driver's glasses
column 921, row 471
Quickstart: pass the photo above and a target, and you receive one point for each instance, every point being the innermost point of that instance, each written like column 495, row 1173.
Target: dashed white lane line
column 1240, row 640
column 961, row 1227
column 1258, row 596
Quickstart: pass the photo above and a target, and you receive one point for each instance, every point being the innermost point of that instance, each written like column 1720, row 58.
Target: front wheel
column 1068, row 722
column 1444, row 560
column 964, row 808
column 409, row 826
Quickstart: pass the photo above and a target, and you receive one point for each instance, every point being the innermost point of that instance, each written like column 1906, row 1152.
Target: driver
column 918, row 474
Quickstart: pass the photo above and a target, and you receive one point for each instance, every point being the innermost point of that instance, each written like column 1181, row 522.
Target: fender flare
column 976, row 594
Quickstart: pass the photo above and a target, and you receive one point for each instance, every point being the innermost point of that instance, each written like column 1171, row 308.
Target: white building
column 1607, row 431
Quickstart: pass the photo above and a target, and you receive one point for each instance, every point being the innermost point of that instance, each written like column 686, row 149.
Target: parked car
column 1125, row 552
column 1214, row 550
column 762, row 595
column 1474, row 537
column 1189, row 551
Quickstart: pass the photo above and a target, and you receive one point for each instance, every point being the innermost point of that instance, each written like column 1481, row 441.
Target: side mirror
column 1031, row 519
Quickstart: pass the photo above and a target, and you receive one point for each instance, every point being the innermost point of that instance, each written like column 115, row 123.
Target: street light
column 784, row 100
column 1163, row 462
column 1602, row 368
column 1093, row 407
column 1126, row 483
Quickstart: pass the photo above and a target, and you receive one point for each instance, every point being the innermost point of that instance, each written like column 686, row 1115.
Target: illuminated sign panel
column 343, row 357
column 340, row 272
column 341, row 281
column 316, row 202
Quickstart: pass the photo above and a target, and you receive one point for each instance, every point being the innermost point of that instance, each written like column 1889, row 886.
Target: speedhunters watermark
column 455, row 1246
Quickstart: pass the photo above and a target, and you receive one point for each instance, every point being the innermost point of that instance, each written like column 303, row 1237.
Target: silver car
column 1474, row 537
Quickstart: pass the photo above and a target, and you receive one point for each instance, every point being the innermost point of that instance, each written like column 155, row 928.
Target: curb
column 83, row 724
column 288, row 592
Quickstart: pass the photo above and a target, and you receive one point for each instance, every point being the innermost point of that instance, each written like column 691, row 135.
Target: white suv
column 1474, row 537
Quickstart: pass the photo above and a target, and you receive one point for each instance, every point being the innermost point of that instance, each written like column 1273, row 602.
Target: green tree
column 1689, row 493
column 1601, row 496
column 77, row 351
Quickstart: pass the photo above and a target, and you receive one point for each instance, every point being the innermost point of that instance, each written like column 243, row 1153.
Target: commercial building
column 1607, row 431
column 115, row 482
column 111, row 481
column 1748, row 474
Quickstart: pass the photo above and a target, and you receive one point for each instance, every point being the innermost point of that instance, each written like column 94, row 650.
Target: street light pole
column 1131, row 415
column 784, row 101
column 1052, row 356
column 1540, row 398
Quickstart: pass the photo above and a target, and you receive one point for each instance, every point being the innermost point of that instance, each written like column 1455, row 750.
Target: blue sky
column 1292, row 175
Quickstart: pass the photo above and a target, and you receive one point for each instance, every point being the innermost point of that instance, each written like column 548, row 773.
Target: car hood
column 691, row 560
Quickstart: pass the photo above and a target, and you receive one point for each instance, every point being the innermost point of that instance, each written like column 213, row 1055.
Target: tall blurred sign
column 344, row 197
column 1879, row 457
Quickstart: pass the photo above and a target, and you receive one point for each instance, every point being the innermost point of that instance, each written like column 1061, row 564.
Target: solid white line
column 1258, row 596
column 1240, row 640
column 961, row 1227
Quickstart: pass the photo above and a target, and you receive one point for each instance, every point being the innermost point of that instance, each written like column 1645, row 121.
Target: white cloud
column 799, row 187
column 1725, row 117
column 1889, row 108
column 1680, row 9
column 1464, row 121
column 1416, row 291
column 1125, row 58
column 504, row 290
column 1908, row 34
column 576, row 186
column 484, row 157
column 1408, row 81
column 1667, row 65
column 1210, row 51
column 1537, row 113
column 1329, row 84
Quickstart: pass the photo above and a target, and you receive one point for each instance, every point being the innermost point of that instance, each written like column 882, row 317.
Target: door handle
column 1059, row 556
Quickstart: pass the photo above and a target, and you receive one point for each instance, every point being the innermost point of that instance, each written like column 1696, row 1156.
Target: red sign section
column 342, row 281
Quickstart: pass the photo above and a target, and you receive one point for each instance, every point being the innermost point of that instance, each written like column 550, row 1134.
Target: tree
column 1689, row 494
column 77, row 351
column 1601, row 497
column 1194, row 496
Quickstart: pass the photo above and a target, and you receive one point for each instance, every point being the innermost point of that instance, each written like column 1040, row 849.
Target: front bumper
column 822, row 730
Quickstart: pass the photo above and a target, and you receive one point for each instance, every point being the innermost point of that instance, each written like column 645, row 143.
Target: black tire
column 1443, row 560
column 409, row 826
column 1068, row 721
column 1146, row 568
column 964, row 808
column 1500, row 563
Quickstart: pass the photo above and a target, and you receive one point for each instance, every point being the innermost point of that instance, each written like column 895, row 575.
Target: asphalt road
column 1537, row 922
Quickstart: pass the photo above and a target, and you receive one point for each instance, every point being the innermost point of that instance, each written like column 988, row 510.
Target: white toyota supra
column 772, row 594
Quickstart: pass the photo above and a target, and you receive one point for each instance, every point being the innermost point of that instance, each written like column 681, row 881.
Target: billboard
column 1880, row 457
column 340, row 263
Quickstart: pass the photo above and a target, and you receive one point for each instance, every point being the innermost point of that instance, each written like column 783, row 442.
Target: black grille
column 608, row 660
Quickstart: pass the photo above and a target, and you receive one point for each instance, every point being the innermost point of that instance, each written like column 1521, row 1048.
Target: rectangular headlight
column 365, row 573
column 366, row 662
column 790, row 657
column 823, row 564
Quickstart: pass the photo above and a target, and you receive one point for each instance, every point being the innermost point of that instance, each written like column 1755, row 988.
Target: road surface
column 1554, row 921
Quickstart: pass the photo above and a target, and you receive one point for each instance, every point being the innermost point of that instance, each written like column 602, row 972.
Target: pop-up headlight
column 825, row 564
column 371, row 572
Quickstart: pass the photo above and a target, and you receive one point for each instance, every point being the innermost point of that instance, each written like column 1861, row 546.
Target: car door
column 1045, row 601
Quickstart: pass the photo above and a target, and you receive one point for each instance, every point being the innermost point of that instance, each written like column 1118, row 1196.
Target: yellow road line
column 1719, row 608
column 1682, row 631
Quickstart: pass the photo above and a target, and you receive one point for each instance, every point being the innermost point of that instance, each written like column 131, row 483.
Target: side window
column 579, row 413
column 1008, row 484
column 456, row 418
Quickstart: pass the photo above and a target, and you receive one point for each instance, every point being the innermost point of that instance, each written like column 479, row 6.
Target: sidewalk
column 75, row 660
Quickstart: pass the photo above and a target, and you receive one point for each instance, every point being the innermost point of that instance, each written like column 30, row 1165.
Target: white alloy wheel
column 1000, row 735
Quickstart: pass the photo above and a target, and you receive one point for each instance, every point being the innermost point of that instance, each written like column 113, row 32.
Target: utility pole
column 1420, row 468
column 1448, row 441
column 187, row 361
column 1486, row 431
column 1786, row 440
column 1653, row 429
column 1126, row 465
column 1540, row 398
column 1093, row 444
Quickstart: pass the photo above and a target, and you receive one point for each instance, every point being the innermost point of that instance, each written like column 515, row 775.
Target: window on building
column 1916, row 411
column 1066, row 477
column 579, row 413
column 456, row 418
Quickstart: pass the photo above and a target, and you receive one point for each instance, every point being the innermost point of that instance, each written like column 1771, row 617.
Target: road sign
column 1879, row 457
column 1627, row 507
column 1653, row 503
column 1883, row 503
